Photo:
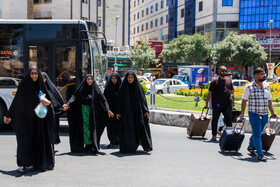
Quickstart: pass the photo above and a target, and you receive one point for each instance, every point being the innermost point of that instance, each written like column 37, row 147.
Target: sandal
column 251, row 151
column 214, row 138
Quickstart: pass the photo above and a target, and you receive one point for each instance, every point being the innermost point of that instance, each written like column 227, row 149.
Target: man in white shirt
column 259, row 97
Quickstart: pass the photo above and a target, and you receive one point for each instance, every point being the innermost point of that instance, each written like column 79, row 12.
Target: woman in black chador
column 133, row 112
column 34, row 135
column 57, row 102
column 111, row 93
column 86, row 108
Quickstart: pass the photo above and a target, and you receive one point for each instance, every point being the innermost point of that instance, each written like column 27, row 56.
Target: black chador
column 111, row 93
column 34, row 135
column 133, row 110
column 86, row 110
column 57, row 102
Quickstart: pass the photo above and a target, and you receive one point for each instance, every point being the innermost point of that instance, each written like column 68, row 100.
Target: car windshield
column 159, row 81
column 178, row 77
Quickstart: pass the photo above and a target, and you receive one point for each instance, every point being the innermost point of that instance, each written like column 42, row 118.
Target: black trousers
column 226, row 110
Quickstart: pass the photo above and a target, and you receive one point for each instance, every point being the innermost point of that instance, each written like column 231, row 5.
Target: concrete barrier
column 181, row 118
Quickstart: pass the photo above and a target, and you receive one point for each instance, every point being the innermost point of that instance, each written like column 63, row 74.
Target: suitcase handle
column 202, row 114
column 268, row 123
column 239, row 120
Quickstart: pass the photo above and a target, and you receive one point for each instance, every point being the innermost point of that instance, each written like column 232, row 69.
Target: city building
column 262, row 18
column 103, row 12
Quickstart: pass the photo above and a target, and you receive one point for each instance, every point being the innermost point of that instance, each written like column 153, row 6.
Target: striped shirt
column 258, row 98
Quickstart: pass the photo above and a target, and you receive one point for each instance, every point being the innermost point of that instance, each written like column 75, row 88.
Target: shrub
column 144, row 88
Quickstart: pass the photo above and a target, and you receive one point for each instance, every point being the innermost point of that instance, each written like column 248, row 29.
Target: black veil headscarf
column 99, row 105
column 111, row 90
column 34, row 135
column 55, row 96
column 133, row 95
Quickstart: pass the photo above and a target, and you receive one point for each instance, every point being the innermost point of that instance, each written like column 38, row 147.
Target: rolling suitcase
column 232, row 137
column 198, row 124
column 268, row 136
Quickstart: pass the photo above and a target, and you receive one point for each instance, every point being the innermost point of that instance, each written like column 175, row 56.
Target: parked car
column 143, row 79
column 164, row 86
column 238, row 83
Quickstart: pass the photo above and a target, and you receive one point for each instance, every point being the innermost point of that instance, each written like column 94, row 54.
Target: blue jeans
column 257, row 123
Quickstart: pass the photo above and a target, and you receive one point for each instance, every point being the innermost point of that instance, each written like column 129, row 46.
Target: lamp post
column 270, row 25
column 116, row 38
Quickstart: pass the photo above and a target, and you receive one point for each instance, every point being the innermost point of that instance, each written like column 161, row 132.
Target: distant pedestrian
column 111, row 94
column 34, row 135
column 57, row 102
column 259, row 97
column 133, row 113
column 220, row 91
column 85, row 116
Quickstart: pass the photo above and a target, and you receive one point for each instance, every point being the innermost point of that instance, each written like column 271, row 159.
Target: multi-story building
column 259, row 17
column 103, row 12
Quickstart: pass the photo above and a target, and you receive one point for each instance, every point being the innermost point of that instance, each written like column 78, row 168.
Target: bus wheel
column 3, row 111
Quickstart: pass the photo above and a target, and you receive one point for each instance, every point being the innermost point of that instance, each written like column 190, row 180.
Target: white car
column 238, row 83
column 164, row 86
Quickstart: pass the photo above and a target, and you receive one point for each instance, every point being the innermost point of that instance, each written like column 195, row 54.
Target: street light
column 116, row 37
column 270, row 25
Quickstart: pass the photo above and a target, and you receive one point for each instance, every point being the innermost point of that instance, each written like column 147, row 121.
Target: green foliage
column 241, row 50
column 207, row 85
column 144, row 88
column 204, row 94
column 187, row 48
column 143, row 55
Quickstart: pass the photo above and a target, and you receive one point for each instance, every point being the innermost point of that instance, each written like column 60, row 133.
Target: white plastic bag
column 41, row 110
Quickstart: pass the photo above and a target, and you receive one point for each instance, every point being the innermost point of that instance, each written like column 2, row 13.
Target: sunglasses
column 33, row 73
column 223, row 70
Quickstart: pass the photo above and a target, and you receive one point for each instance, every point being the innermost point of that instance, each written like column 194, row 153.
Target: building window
column 142, row 27
column 152, row 9
column 147, row 11
column 99, row 23
column 143, row 13
column 36, row 1
column 84, row 1
column 156, row 6
column 138, row 15
column 143, row 1
column 189, row 13
column 161, row 4
column 227, row 3
column 166, row 2
column 182, row 12
column 138, row 2
column 161, row 20
column 147, row 26
column 138, row 29
column 156, row 22
column 152, row 24
column 134, row 30
column 166, row 18
column 134, row 17
column 134, row 3
column 200, row 6
column 99, row 2
column 171, row 19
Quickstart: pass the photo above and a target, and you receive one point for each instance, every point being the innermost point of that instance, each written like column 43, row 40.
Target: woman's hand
column 45, row 102
column 7, row 120
column 146, row 115
column 65, row 107
column 110, row 114
column 118, row 116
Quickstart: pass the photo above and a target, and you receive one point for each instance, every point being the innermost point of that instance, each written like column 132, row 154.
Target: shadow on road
column 14, row 173
column 137, row 153
column 196, row 138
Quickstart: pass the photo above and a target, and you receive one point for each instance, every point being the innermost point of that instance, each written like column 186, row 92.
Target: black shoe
column 21, row 170
column 251, row 151
column 262, row 158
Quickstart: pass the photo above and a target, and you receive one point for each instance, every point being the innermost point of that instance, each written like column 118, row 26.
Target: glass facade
column 256, row 14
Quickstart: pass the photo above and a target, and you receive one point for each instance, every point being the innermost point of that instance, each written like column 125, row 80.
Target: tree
column 191, row 49
column 241, row 50
column 143, row 55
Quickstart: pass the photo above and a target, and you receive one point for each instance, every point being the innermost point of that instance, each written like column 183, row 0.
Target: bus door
column 65, row 58
column 40, row 55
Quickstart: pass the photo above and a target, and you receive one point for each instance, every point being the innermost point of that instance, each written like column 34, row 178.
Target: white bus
column 66, row 50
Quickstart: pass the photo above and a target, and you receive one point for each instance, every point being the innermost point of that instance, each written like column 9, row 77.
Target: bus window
column 39, row 56
column 65, row 70
column 86, row 65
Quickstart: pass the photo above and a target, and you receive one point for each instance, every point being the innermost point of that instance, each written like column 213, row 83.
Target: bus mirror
column 104, row 46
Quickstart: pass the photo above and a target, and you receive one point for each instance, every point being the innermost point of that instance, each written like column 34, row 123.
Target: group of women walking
column 122, row 108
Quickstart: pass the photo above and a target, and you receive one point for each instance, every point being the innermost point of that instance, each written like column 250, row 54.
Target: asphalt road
column 175, row 161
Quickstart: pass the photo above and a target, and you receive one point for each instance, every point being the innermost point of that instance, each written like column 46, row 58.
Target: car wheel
column 160, row 92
